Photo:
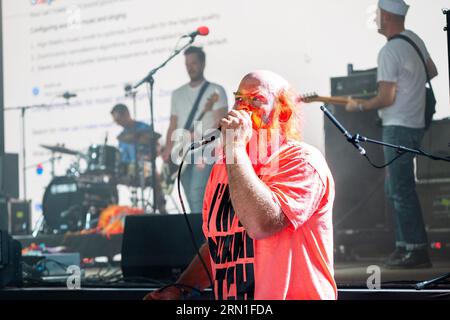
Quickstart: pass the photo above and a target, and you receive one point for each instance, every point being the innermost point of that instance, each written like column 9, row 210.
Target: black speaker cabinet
column 436, row 141
column 435, row 202
column 9, row 175
column 360, row 201
column 4, row 214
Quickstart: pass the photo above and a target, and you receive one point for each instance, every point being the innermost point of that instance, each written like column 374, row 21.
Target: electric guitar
column 337, row 100
column 170, row 169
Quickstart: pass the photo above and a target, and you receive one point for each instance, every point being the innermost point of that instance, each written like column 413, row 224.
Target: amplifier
column 9, row 175
column 436, row 141
column 19, row 217
column 358, row 84
column 435, row 202
column 366, row 208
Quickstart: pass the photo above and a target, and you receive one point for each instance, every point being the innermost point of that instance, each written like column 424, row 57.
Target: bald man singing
column 267, row 211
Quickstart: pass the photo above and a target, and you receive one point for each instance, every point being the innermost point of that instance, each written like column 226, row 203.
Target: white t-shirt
column 184, row 98
column 399, row 62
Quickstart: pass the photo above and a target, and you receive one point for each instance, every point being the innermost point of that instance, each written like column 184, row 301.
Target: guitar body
column 170, row 168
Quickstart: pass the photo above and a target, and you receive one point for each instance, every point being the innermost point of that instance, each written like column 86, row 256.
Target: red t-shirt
column 295, row 263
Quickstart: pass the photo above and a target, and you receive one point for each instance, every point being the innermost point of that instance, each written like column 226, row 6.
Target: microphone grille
column 203, row 30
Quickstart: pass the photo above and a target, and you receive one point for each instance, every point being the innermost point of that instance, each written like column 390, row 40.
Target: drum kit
column 73, row 202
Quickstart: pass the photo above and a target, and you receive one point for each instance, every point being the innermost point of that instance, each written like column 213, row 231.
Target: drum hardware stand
column 38, row 226
column 149, row 79
column 50, row 160
column 134, row 199
column 89, row 214
column 141, row 170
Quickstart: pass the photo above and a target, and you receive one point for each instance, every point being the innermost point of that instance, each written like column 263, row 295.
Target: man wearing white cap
column 401, row 105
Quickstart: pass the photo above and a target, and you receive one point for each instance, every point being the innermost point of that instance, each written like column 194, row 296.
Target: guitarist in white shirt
column 211, row 107
column 403, row 70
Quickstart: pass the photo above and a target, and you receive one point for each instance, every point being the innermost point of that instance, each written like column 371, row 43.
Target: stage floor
column 356, row 273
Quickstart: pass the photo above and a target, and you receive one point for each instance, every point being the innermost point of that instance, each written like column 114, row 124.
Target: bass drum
column 68, row 202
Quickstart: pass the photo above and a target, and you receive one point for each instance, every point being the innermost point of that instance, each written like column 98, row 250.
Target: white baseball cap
column 398, row 7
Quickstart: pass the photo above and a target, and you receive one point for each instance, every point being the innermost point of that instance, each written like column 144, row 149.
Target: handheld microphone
column 68, row 95
column 207, row 139
column 201, row 31
column 214, row 135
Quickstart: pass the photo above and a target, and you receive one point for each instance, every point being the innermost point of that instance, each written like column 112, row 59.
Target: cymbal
column 142, row 136
column 60, row 149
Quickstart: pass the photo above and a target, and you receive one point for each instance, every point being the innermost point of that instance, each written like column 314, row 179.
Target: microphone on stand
column 68, row 95
column 128, row 87
column 201, row 31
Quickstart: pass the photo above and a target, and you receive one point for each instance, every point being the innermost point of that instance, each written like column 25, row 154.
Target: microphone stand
column 446, row 29
column 357, row 138
column 23, row 110
column 149, row 79
column 130, row 92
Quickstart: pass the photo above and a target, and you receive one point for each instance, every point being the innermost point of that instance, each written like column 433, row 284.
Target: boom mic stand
column 447, row 13
column 357, row 138
column 149, row 79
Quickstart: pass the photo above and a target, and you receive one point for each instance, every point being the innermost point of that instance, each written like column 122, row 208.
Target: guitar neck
column 333, row 100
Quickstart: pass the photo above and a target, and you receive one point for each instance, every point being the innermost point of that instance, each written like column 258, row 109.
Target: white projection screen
column 95, row 47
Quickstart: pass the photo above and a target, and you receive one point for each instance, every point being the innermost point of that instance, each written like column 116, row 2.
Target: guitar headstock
column 310, row 97
column 212, row 99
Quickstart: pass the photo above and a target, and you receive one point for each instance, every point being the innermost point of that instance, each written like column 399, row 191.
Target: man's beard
column 196, row 77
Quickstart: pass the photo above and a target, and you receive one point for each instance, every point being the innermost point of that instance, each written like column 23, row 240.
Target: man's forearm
column 169, row 142
column 375, row 103
column 252, row 199
column 195, row 274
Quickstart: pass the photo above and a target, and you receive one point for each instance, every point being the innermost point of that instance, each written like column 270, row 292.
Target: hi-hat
column 60, row 149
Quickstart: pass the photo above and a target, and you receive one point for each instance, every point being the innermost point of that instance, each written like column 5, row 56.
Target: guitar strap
column 190, row 119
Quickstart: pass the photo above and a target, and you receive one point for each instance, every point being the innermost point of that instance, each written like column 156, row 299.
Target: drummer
column 128, row 152
column 121, row 116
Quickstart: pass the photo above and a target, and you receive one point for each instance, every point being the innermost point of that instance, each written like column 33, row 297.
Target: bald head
column 271, row 101
column 268, row 80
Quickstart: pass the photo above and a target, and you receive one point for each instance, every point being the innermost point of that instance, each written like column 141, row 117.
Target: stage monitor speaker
column 9, row 175
column 360, row 201
column 437, row 142
column 159, row 247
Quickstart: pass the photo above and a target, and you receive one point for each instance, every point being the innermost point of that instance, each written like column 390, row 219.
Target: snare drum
column 103, row 159
column 127, row 174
